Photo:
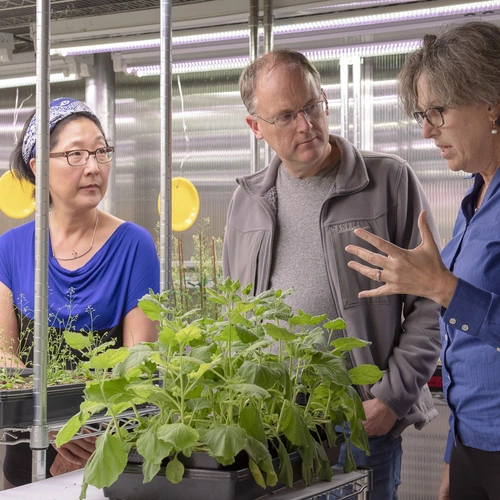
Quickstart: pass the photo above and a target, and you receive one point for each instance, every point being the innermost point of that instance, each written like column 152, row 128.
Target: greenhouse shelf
column 355, row 484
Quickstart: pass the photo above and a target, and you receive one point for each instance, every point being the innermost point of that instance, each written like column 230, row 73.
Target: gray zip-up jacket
column 374, row 191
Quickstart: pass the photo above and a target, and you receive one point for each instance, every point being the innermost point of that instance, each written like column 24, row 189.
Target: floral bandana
column 59, row 109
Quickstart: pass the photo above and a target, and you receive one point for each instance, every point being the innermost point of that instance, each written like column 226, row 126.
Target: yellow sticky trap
column 16, row 197
column 185, row 204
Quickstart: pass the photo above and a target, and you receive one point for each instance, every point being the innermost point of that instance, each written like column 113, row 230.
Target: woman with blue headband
column 99, row 265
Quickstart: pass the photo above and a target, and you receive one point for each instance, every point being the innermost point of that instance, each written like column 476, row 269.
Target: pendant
column 74, row 254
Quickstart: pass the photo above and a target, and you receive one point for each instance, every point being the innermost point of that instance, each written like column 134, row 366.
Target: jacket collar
column 352, row 175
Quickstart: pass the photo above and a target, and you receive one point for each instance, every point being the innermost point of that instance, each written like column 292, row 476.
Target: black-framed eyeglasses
column 311, row 111
column 433, row 115
column 80, row 157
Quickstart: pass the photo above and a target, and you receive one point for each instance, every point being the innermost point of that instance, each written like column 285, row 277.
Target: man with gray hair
column 288, row 226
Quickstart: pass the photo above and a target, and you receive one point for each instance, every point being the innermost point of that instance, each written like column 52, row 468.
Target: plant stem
column 202, row 292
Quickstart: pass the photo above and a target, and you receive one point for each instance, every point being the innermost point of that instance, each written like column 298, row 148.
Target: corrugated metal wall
column 211, row 141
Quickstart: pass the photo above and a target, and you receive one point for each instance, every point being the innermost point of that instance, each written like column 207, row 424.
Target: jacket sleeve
column 226, row 268
column 416, row 351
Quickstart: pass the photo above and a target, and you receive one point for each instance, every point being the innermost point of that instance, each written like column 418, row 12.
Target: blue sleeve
column 145, row 270
column 476, row 312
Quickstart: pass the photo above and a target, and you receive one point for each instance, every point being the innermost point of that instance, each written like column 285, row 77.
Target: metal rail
column 97, row 424
column 355, row 484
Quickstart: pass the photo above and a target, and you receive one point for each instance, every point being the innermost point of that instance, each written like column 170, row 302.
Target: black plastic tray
column 16, row 405
column 208, row 481
column 197, row 484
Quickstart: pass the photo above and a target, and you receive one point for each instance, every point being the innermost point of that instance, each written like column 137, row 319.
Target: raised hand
column 419, row 271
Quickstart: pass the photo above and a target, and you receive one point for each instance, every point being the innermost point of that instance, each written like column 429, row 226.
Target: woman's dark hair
column 16, row 161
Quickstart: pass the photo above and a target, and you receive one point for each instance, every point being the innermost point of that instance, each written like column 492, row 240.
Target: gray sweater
column 377, row 192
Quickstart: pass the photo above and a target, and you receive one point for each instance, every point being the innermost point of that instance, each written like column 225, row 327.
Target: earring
column 494, row 130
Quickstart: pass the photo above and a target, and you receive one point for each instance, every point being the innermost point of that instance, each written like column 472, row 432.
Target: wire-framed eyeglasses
column 311, row 111
column 433, row 115
column 80, row 157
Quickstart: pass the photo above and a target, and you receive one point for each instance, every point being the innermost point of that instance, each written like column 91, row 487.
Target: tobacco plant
column 259, row 379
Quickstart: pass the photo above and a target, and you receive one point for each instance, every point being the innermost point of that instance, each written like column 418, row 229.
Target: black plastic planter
column 16, row 405
column 204, row 479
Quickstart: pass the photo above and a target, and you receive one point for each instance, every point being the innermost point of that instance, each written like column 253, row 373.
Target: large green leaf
column 278, row 333
column 77, row 340
column 167, row 337
column 137, row 355
column 331, row 433
column 228, row 334
column 285, row 471
column 225, row 441
column 294, row 427
column 331, row 368
column 307, row 455
column 216, row 298
column 245, row 335
column 108, row 359
column 258, row 374
column 256, row 473
column 203, row 353
column 251, row 421
column 335, row 324
column 181, row 436
column 151, row 447
column 323, row 467
column 358, row 436
column 260, row 456
column 350, row 463
column 188, row 334
column 301, row 318
column 250, row 390
column 351, row 400
column 107, row 462
column 149, row 470
column 110, row 391
column 237, row 318
column 174, row 471
column 244, row 307
column 72, row 426
column 365, row 374
column 151, row 307
column 345, row 344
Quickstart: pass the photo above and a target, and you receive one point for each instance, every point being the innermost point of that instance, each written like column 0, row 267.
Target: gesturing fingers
column 372, row 258
column 376, row 241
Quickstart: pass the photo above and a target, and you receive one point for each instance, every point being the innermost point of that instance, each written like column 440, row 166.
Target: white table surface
column 68, row 487
column 63, row 487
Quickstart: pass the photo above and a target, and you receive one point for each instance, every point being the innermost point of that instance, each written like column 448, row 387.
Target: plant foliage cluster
column 65, row 363
column 225, row 386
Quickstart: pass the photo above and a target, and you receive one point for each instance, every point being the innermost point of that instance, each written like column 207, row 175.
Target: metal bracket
column 6, row 47
column 79, row 65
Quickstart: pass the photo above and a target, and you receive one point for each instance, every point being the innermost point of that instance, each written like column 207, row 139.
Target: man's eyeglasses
column 80, row 157
column 311, row 111
column 433, row 115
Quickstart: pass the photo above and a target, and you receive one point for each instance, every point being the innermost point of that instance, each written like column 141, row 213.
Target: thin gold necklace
column 75, row 254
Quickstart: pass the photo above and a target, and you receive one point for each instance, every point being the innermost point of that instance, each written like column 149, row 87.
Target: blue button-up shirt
column 470, row 326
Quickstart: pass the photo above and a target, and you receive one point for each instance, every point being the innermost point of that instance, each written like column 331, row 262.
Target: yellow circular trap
column 185, row 204
column 16, row 197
